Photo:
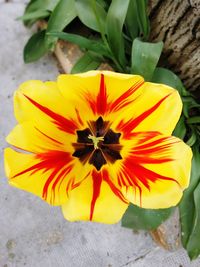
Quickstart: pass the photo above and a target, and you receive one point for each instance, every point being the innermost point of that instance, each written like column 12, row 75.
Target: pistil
column 96, row 140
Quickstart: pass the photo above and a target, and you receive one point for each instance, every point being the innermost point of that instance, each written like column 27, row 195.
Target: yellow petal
column 158, row 108
column 99, row 93
column 155, row 172
column 43, row 103
column 94, row 200
column 45, row 175
column 39, row 137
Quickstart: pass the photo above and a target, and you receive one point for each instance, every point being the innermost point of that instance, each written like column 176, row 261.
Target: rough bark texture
column 177, row 24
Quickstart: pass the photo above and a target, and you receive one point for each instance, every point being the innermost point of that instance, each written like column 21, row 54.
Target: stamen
column 96, row 140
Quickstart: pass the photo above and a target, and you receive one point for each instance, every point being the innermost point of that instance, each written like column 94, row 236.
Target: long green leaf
column 145, row 57
column 193, row 245
column 142, row 18
column 131, row 21
column 193, row 137
column 104, row 3
column 114, row 25
column 85, row 63
column 93, row 45
column 35, row 15
column 62, row 15
column 180, row 130
column 41, row 5
column 193, row 120
column 147, row 219
column 38, row 6
column 35, row 47
column 187, row 205
column 162, row 75
column 92, row 14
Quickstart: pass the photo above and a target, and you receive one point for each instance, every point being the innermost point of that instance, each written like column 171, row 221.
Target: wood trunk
column 177, row 24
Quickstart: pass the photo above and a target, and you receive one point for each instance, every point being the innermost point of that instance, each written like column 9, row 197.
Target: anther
column 96, row 140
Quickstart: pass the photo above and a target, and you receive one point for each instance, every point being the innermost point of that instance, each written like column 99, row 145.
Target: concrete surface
column 34, row 234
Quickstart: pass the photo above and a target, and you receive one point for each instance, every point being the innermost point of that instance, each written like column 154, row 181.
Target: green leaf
column 35, row 47
column 193, row 245
column 187, row 205
column 93, row 45
column 85, row 63
column 193, row 120
column 131, row 20
column 147, row 219
column 62, row 15
column 104, row 3
column 145, row 57
column 38, row 6
column 162, row 75
column 114, row 24
column 142, row 18
column 92, row 14
column 180, row 130
column 39, row 14
column 191, row 141
column 188, row 103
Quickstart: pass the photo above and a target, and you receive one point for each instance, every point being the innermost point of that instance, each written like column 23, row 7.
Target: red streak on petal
column 53, row 161
column 92, row 103
column 130, row 125
column 66, row 125
column 135, row 175
column 143, row 137
column 99, row 105
column 97, row 180
column 154, row 143
column 58, row 181
column 113, row 187
column 50, row 138
column 68, row 186
column 122, row 101
column 79, row 117
column 101, row 101
column 134, row 172
column 75, row 185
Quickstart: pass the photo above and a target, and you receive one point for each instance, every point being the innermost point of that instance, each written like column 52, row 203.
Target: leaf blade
column 142, row 18
column 114, row 24
column 85, row 63
column 35, row 15
column 131, row 20
column 144, row 219
column 193, row 245
column 92, row 14
column 38, row 6
column 187, row 206
column 62, row 15
column 35, row 47
column 162, row 75
column 93, row 45
column 145, row 57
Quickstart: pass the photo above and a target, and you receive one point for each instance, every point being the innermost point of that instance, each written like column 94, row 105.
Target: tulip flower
column 94, row 142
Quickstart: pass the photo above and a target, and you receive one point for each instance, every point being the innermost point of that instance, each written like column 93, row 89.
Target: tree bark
column 177, row 24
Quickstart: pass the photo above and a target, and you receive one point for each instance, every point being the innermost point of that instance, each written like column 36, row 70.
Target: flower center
column 97, row 144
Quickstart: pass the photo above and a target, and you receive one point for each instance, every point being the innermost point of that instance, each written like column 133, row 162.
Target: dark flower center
column 97, row 144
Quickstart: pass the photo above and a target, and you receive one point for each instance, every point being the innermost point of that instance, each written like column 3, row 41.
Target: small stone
column 10, row 244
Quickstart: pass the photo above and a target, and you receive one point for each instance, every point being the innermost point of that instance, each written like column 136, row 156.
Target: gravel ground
column 34, row 234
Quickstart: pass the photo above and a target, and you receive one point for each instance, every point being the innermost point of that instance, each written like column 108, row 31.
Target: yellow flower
column 94, row 142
